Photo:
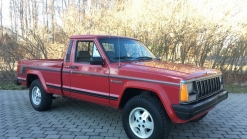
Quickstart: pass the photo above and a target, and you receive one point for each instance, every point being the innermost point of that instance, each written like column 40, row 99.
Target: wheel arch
column 131, row 92
column 134, row 89
column 33, row 75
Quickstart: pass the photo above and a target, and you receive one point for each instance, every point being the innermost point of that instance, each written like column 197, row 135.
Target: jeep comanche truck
column 123, row 73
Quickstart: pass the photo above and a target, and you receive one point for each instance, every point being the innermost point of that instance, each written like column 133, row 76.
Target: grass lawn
column 11, row 86
column 236, row 88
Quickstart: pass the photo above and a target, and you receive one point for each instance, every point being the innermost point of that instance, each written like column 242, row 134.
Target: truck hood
column 183, row 71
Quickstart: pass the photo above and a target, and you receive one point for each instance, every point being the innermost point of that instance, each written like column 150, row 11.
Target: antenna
column 119, row 66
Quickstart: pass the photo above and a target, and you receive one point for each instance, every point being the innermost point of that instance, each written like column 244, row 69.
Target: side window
column 84, row 46
column 67, row 59
column 85, row 50
column 95, row 51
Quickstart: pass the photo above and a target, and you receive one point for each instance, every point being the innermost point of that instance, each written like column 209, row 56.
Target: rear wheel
column 145, row 118
column 40, row 100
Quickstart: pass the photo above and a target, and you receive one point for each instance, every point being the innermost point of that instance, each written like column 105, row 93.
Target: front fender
column 159, row 90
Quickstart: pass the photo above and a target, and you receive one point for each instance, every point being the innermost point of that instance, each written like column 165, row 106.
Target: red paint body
column 107, row 83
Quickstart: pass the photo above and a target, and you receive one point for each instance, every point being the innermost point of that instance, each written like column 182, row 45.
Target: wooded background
column 175, row 30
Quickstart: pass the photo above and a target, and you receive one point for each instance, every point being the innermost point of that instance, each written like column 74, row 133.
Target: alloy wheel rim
column 36, row 95
column 141, row 122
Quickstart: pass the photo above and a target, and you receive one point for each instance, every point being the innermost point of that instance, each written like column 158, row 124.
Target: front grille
column 207, row 87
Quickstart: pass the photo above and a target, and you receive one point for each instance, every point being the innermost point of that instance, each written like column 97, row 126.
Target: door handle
column 73, row 67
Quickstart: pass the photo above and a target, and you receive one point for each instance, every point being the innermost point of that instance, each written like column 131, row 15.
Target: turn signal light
column 184, row 93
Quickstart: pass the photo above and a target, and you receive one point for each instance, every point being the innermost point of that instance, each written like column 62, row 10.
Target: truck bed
column 48, row 71
column 39, row 61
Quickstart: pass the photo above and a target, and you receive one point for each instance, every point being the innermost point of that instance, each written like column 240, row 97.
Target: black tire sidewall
column 46, row 99
column 158, row 121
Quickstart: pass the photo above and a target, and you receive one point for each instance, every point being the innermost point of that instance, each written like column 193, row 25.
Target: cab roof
column 97, row 36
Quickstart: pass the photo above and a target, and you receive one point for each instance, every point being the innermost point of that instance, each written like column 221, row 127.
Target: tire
column 40, row 100
column 145, row 114
column 199, row 118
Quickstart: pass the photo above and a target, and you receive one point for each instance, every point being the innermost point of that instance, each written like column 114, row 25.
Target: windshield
column 124, row 49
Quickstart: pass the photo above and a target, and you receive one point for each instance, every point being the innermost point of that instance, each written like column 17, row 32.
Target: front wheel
column 145, row 118
column 39, row 99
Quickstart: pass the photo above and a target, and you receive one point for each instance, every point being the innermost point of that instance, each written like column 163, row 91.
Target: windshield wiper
column 123, row 57
column 144, row 58
column 120, row 57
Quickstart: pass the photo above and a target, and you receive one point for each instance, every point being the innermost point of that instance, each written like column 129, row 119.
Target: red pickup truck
column 122, row 73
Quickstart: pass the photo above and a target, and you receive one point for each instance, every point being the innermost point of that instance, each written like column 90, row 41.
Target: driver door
column 88, row 82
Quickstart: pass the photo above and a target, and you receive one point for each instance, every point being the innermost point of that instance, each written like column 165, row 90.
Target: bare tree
column 176, row 31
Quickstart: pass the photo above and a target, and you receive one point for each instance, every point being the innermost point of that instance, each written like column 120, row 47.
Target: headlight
column 190, row 87
column 221, row 82
column 187, row 92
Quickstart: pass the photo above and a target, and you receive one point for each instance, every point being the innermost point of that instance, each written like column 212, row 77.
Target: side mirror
column 96, row 61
